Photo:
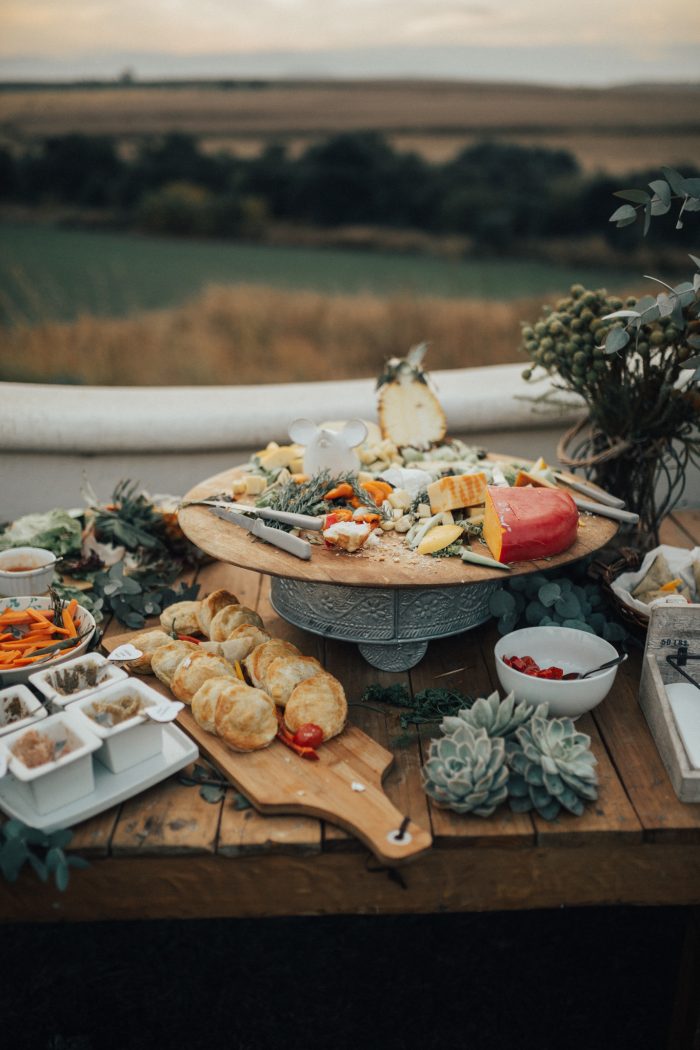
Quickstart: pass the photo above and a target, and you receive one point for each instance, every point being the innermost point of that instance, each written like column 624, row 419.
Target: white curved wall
column 169, row 438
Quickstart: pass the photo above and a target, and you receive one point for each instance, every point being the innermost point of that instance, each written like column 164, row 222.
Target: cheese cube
column 254, row 484
column 276, row 456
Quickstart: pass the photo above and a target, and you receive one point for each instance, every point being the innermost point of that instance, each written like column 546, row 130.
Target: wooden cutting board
column 343, row 787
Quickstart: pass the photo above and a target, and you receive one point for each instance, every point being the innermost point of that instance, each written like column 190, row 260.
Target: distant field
column 614, row 129
column 57, row 274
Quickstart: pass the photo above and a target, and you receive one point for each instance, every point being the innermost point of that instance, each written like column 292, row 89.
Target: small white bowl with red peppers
column 564, row 649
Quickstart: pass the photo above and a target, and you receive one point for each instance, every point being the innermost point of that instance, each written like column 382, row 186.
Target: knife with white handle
column 607, row 512
column 276, row 537
column 297, row 521
column 587, row 490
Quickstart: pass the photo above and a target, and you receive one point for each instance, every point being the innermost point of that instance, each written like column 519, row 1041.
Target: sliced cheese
column 461, row 490
column 278, row 456
column 254, row 484
column 439, row 537
column 529, row 477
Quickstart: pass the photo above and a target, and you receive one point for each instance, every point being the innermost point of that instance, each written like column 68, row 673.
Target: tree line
column 495, row 192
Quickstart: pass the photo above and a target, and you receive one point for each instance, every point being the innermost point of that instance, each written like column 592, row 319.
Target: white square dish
column 53, row 680
column 126, row 743
column 13, row 701
column 61, row 780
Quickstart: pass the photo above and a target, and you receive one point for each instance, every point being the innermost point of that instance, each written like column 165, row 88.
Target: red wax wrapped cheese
column 525, row 523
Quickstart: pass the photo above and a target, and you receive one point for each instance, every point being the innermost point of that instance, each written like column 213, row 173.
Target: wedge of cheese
column 525, row 523
column 279, row 456
column 525, row 477
column 460, row 490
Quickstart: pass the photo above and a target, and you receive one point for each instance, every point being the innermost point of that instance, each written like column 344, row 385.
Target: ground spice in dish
column 113, row 712
column 75, row 679
column 36, row 749
column 13, row 710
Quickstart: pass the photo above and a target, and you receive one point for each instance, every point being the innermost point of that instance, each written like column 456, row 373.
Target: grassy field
column 49, row 274
column 615, row 129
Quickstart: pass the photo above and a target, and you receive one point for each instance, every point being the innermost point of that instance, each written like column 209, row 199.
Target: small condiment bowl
column 49, row 680
column 12, row 698
column 563, row 647
column 129, row 742
column 84, row 621
column 26, row 570
column 70, row 776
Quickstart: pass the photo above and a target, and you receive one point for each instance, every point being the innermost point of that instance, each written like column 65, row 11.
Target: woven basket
column 606, row 567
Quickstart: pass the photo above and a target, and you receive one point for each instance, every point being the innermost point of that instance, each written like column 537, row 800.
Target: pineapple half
column 409, row 412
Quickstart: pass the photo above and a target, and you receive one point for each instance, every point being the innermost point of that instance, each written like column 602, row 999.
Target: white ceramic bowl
column 46, row 681
column 35, row 579
column 70, row 776
column 83, row 621
column 34, row 711
column 129, row 742
column 560, row 647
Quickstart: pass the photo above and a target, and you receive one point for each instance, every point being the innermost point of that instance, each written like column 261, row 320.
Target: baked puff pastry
column 284, row 672
column 242, row 641
column 181, row 618
column 193, row 671
column 205, row 699
column 320, row 700
column 257, row 661
column 229, row 618
column 147, row 642
column 210, row 606
column 166, row 658
column 245, row 718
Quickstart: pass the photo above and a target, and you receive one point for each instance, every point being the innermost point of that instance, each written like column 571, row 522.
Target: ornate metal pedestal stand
column 391, row 626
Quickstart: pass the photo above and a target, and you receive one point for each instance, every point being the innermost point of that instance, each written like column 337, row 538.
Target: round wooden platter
column 390, row 565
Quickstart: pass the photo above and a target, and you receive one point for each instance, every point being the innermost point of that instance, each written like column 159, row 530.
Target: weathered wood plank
column 167, row 819
column 639, row 766
column 246, row 831
column 674, row 534
column 446, row 880
column 689, row 521
column 458, row 663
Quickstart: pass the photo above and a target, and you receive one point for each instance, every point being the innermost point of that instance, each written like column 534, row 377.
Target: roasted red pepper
column 526, row 665
column 286, row 737
column 189, row 638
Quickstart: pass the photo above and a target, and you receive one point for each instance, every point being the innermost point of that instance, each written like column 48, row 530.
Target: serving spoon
column 578, row 675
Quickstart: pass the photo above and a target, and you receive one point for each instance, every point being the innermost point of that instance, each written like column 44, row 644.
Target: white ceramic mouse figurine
column 330, row 450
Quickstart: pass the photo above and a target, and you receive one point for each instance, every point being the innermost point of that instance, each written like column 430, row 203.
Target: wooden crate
column 670, row 627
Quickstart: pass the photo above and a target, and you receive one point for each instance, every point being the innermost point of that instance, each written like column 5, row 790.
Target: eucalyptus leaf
column 568, row 607
column 549, row 593
column 54, row 858
column 501, row 603
column 691, row 187
column 60, row 838
column 62, row 876
column 662, row 190
column 212, row 793
column 626, row 214
column 636, row 196
column 617, row 339
column 675, row 180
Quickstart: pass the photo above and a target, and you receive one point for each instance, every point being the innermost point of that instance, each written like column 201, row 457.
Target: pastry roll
column 147, row 642
column 210, row 606
column 166, row 658
column 193, row 671
column 257, row 661
column 245, row 718
column 181, row 618
column 242, row 641
column 205, row 699
column 230, row 617
column 285, row 671
column 320, row 700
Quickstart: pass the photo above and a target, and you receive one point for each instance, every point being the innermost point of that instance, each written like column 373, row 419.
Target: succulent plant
column 551, row 767
column 466, row 771
column 498, row 717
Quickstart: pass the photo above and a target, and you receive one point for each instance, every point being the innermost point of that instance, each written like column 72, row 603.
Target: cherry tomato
column 309, row 735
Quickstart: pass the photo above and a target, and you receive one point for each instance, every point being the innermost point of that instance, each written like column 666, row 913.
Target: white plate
column 110, row 788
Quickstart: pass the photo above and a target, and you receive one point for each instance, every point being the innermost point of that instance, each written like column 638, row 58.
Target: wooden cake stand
column 389, row 600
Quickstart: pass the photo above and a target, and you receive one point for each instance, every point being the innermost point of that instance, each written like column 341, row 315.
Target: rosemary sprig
column 429, row 705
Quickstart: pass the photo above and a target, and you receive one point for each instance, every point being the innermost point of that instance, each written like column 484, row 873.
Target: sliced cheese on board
column 525, row 523
column 461, row 490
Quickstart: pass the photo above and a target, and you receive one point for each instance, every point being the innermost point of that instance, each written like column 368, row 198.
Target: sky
column 591, row 42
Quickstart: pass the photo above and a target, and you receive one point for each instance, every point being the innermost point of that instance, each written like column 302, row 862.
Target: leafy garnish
column 429, row 705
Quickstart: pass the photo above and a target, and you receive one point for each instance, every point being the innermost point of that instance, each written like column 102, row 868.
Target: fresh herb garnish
column 429, row 705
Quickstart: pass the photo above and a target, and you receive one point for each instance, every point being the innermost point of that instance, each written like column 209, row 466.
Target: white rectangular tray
column 110, row 788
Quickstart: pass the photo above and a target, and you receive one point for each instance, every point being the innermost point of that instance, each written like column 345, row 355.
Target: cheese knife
column 587, row 490
column 276, row 537
column 297, row 521
column 604, row 511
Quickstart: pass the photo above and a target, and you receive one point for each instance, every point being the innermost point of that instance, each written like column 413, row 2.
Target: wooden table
column 169, row 853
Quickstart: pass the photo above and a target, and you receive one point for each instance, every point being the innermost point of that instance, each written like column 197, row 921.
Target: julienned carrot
column 20, row 616
column 38, row 616
column 68, row 613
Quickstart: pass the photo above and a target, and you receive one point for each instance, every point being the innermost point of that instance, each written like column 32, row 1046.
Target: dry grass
column 249, row 334
column 614, row 129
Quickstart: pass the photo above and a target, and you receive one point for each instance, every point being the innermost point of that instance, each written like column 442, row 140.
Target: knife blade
column 587, row 490
column 297, row 521
column 607, row 512
column 284, row 540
